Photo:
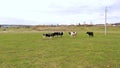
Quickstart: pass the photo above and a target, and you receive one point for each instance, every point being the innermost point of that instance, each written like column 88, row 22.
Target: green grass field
column 31, row 50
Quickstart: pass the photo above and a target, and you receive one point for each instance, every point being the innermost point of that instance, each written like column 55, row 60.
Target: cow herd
column 60, row 34
column 53, row 34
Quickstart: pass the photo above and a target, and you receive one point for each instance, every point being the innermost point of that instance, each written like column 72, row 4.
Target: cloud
column 80, row 7
column 17, row 21
column 59, row 11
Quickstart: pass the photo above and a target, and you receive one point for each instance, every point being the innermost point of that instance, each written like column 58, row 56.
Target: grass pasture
column 31, row 50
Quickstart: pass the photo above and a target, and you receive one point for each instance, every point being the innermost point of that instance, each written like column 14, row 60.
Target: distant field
column 97, row 29
column 23, row 49
column 79, row 28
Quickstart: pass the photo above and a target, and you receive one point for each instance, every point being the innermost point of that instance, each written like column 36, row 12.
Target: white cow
column 72, row 33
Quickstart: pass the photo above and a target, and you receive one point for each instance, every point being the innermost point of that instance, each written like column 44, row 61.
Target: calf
column 91, row 34
column 72, row 33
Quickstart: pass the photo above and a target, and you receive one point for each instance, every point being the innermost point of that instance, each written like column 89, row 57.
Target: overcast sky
column 35, row 12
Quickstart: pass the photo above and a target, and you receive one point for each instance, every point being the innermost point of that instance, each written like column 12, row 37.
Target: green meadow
column 26, row 48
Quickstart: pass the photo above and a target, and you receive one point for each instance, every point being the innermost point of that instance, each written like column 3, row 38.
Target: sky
column 45, row 12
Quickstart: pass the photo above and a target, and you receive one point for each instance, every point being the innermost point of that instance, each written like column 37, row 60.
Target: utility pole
column 105, row 21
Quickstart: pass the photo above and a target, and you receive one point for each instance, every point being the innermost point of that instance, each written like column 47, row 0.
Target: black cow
column 58, row 34
column 48, row 35
column 91, row 34
column 53, row 34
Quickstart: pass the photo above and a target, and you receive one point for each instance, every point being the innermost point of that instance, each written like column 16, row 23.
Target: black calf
column 91, row 34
